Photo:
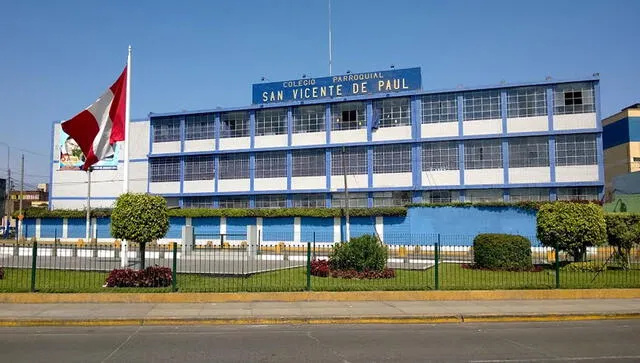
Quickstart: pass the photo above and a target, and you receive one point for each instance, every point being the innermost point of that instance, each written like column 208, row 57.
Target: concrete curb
column 455, row 319
column 481, row 295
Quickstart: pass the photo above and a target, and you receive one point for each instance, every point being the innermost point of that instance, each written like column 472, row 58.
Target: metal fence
column 226, row 263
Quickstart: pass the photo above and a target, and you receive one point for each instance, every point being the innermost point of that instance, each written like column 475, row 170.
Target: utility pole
column 88, row 231
column 20, row 216
column 8, row 202
column 346, row 197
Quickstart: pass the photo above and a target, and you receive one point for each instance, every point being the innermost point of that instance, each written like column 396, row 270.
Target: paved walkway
column 316, row 311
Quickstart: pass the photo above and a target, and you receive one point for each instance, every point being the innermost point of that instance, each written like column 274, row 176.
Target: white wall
column 482, row 127
column 166, row 147
column 164, row 187
column 308, row 182
column 138, row 176
column 271, row 141
column 353, row 181
column 483, row 176
column 309, row 138
column 392, row 180
column 528, row 124
column 574, row 121
column 270, row 184
column 232, row 143
column 81, row 203
column 199, row 145
column 441, row 177
column 439, row 129
column 359, row 135
column 392, row 133
column 199, row 186
column 138, row 140
column 233, row 185
column 576, row 173
column 530, row 175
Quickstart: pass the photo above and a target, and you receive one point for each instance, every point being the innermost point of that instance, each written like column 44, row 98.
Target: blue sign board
column 354, row 84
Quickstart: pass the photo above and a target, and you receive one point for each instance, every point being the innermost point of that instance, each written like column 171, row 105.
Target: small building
column 621, row 142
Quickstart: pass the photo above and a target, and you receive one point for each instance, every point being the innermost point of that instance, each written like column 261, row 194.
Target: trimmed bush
column 623, row 232
column 502, row 252
column 321, row 268
column 152, row 276
column 571, row 227
column 362, row 253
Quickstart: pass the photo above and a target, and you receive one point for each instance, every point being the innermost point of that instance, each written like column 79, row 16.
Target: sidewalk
column 316, row 312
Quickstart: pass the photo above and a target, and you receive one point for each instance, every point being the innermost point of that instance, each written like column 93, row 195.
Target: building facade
column 396, row 143
column 621, row 135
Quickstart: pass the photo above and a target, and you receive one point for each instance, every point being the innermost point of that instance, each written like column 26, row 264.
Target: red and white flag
column 101, row 125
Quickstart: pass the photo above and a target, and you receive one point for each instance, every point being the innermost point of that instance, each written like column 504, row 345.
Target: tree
column 140, row 218
column 623, row 232
column 571, row 227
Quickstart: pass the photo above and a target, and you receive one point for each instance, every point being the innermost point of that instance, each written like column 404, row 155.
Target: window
column 439, row 108
column 233, row 202
column 165, row 170
column 309, row 200
column 482, row 105
column 348, row 116
column 576, row 150
column 392, row 112
column 391, row 199
column 308, row 119
column 233, row 166
column 272, row 164
column 441, row 196
column 172, row 202
column 529, row 194
column 234, row 124
column 166, row 129
column 355, row 161
column 483, row 195
column 526, row 102
column 198, row 168
column 440, row 156
column 271, row 201
column 574, row 98
column 356, row 200
column 578, row 193
column 199, row 127
column 271, row 122
column 309, row 162
column 198, row 202
column 527, row 152
column 483, row 154
column 392, row 159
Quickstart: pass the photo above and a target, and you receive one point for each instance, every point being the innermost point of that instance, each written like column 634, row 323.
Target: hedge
column 497, row 251
column 527, row 205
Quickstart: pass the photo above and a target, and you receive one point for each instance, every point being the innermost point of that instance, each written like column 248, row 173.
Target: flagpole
column 124, row 258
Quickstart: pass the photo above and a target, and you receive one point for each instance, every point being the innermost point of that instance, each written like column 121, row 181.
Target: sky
column 57, row 57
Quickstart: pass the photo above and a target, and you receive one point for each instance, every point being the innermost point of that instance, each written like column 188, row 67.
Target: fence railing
column 234, row 266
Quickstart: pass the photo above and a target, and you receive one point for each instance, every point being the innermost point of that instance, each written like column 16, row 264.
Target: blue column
column 182, row 139
column 328, row 200
column 327, row 122
column 252, row 201
column 600, row 157
column 150, row 136
column 416, row 165
column 252, row 171
column 327, row 169
column 252, row 128
column 416, row 118
column 289, row 125
column 216, row 168
column 462, row 197
column 216, row 131
column 596, row 90
column 460, row 101
column 370, row 166
column 148, row 163
column 505, row 160
column 550, row 107
column 552, row 157
column 461, row 161
column 181, row 174
column 369, row 116
column 553, row 194
column 289, row 169
column 505, row 195
column 182, row 134
column 503, row 110
column 289, row 201
column 417, row 196
column 370, row 199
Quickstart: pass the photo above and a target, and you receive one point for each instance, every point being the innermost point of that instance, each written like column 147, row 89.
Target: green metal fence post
column 174, row 277
column 34, row 256
column 436, row 267
column 557, row 267
column 308, row 266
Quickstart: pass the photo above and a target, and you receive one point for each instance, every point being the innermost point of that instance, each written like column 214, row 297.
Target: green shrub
column 590, row 266
column 571, row 227
column 364, row 253
column 623, row 232
column 502, row 252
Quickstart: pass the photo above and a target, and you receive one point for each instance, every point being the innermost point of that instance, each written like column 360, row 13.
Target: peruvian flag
column 101, row 125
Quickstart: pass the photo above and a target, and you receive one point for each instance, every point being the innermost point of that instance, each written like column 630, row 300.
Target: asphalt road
column 591, row 341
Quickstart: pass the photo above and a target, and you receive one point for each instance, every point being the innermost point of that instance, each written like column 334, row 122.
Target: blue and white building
column 398, row 143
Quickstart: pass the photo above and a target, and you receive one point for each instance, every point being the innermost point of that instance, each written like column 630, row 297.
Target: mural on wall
column 72, row 158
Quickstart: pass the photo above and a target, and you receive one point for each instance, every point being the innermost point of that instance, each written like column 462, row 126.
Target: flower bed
column 321, row 268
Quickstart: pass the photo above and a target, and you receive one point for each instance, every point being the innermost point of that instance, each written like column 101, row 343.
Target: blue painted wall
column 208, row 227
column 103, row 227
column 77, row 228
column 358, row 226
column 277, row 229
column 175, row 227
column 29, row 227
column 50, row 228
column 323, row 228
column 237, row 227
